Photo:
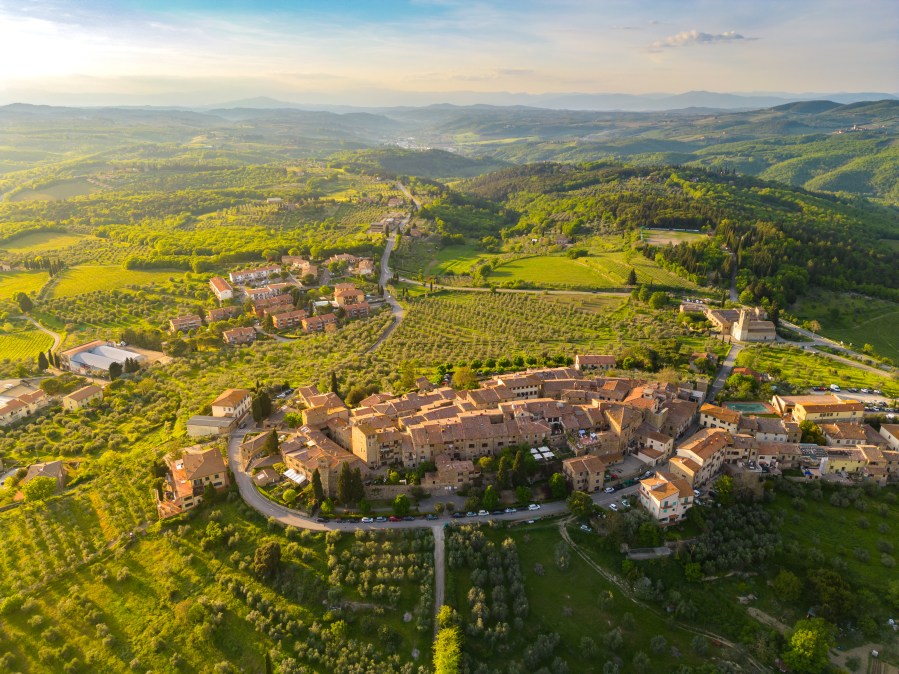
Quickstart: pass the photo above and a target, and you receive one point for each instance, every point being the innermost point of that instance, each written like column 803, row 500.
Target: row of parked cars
column 485, row 513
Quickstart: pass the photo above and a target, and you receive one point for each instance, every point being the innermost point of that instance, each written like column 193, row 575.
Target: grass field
column 63, row 190
column 659, row 237
column 25, row 342
column 853, row 319
column 80, row 280
column 38, row 242
column 12, row 283
column 805, row 369
column 602, row 271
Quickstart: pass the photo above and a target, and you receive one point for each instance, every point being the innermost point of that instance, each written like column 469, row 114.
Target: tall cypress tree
column 344, row 484
column 318, row 491
column 42, row 363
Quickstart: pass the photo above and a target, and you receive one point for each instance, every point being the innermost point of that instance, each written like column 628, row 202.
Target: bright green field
column 40, row 241
column 63, row 190
column 80, row 280
column 661, row 238
column 21, row 282
column 806, row 369
column 23, row 344
column 606, row 270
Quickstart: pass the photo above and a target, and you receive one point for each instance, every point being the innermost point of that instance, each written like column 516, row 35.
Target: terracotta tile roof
column 84, row 393
column 231, row 397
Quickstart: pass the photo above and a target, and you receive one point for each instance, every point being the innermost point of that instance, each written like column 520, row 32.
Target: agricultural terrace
column 450, row 326
column 78, row 281
column 853, row 319
column 40, row 242
column 189, row 595
column 20, row 340
column 528, row 601
column 14, row 282
column 804, row 369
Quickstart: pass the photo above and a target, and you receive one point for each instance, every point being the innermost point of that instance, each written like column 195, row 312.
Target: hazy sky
column 373, row 51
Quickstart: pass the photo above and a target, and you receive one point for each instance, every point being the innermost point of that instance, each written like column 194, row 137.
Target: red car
column 394, row 518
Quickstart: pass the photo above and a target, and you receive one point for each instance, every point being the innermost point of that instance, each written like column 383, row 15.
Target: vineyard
column 80, row 280
column 23, row 342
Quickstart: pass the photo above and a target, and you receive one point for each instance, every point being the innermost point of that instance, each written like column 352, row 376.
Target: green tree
column 401, row 505
column 693, row 572
column 812, row 433
column 522, row 494
column 490, row 499
column 519, row 471
column 658, row 300
column 357, row 487
column 115, row 371
column 632, row 277
column 834, row 598
column 344, row 484
column 463, row 379
column 24, row 302
column 809, row 644
column 502, row 473
column 267, row 559
column 724, row 487
column 408, row 374
column 893, row 593
column 289, row 496
column 448, row 651
column 42, row 363
column 318, row 491
column 39, row 488
column 787, row 585
column 334, row 387
column 580, row 504
column 558, row 486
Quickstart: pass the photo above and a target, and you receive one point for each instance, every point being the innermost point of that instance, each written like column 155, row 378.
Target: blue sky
column 386, row 52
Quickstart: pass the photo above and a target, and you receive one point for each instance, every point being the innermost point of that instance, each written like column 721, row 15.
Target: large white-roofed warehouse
column 96, row 357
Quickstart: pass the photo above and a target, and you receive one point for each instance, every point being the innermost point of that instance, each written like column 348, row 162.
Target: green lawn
column 37, row 242
column 15, row 282
column 25, row 342
column 853, row 319
column 80, row 280
column 806, row 369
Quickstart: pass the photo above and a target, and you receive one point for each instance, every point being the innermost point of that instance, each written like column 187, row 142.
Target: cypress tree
column 318, row 491
column 42, row 361
column 344, row 484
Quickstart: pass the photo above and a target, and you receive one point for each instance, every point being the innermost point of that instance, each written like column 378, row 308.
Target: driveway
column 726, row 366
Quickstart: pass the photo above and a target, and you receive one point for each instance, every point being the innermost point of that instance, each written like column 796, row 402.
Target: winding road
column 395, row 307
column 57, row 339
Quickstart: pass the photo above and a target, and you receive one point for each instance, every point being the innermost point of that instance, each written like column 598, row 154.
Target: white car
column 609, row 490
column 625, row 503
column 614, row 507
column 534, row 506
column 483, row 513
column 696, row 492
column 584, row 527
column 367, row 520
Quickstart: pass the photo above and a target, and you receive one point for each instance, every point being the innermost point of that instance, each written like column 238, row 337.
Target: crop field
column 38, row 242
column 63, row 190
column 80, row 280
column 12, row 283
column 24, row 342
column 658, row 237
column 806, row 369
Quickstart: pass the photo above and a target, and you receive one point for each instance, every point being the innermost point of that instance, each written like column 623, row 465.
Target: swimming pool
column 750, row 407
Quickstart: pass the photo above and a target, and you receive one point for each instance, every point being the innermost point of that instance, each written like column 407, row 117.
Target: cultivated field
column 38, row 242
column 80, row 280
column 12, row 283
column 24, row 342
column 61, row 190
column 662, row 237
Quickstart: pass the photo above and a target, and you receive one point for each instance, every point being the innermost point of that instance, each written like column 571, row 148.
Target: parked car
column 511, row 510
column 614, row 507
column 483, row 513
column 471, row 513
column 430, row 516
column 367, row 520
column 609, row 490
column 380, row 518
column 534, row 506
column 496, row 512
column 457, row 515
column 394, row 518
column 625, row 503
column 321, row 519
column 408, row 518
column 696, row 492
column 584, row 527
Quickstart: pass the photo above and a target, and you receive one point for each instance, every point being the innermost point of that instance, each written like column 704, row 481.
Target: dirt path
column 395, row 307
column 763, row 617
column 439, row 571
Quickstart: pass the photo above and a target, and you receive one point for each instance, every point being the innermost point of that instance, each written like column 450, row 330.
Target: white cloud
column 690, row 37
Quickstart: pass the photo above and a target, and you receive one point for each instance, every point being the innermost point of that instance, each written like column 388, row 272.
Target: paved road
column 395, row 307
column 726, row 366
column 57, row 339
column 405, row 190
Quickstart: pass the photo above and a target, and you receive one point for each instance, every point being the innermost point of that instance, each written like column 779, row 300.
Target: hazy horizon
column 417, row 52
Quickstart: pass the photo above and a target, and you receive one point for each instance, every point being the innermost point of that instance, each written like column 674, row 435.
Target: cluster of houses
column 743, row 325
column 23, row 400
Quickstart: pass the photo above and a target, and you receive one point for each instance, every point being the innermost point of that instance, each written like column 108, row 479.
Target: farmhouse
column 52, row 469
column 239, row 336
column 96, row 357
column 221, row 288
column 752, row 327
column 185, row 323
column 82, row 398
column 591, row 362
column 233, row 402
column 189, row 473
column 258, row 274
